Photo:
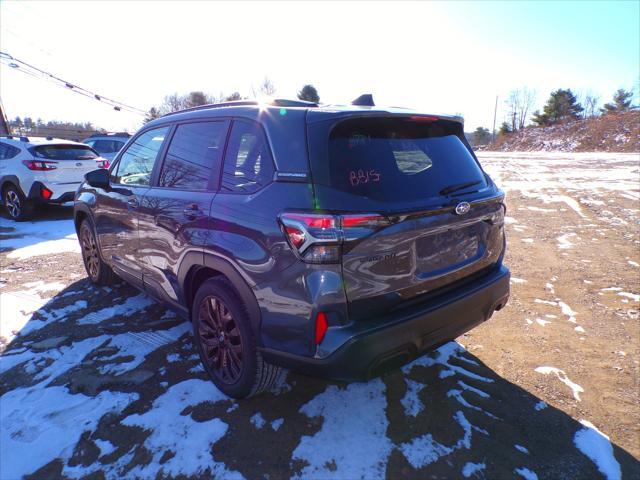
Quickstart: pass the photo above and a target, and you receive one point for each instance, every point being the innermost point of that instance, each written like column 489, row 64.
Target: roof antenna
column 365, row 100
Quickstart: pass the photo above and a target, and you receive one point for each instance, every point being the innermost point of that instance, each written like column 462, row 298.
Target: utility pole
column 495, row 112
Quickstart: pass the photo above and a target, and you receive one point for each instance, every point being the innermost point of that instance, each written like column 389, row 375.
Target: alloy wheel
column 90, row 253
column 12, row 202
column 220, row 340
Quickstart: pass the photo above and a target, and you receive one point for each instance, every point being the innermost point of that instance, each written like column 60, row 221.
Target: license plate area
column 447, row 249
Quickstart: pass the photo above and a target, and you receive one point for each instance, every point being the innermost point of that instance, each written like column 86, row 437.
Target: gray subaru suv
column 339, row 241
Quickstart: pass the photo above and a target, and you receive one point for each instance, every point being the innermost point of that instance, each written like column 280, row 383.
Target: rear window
column 399, row 159
column 107, row 146
column 64, row 152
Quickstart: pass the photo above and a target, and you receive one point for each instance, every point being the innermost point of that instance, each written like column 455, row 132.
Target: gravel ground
column 103, row 382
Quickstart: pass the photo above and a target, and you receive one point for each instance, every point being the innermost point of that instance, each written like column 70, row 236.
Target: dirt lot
column 105, row 383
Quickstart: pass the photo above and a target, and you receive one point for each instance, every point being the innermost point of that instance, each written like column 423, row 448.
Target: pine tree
column 621, row 102
column 309, row 94
column 562, row 106
column 540, row 119
column 233, row 97
column 505, row 128
column 481, row 136
column 152, row 114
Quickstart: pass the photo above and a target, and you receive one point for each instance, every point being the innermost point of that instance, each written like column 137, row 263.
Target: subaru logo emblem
column 462, row 208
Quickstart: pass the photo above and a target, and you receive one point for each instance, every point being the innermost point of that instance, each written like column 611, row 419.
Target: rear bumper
column 387, row 344
column 61, row 193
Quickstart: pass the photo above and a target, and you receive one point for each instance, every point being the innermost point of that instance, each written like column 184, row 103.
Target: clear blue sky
column 451, row 57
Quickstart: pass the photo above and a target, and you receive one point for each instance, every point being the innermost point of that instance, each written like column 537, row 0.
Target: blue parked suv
column 339, row 241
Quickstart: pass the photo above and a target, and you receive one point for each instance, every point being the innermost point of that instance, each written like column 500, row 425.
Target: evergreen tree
column 481, row 136
column 562, row 106
column 233, row 97
column 621, row 102
column 195, row 99
column 309, row 94
column 505, row 129
column 152, row 114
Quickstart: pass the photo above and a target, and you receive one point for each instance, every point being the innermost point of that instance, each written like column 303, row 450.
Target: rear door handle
column 192, row 211
column 133, row 203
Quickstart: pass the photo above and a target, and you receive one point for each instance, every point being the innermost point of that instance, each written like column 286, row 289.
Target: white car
column 42, row 170
column 107, row 144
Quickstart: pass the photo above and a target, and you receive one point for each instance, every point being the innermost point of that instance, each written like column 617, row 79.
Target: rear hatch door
column 72, row 161
column 412, row 173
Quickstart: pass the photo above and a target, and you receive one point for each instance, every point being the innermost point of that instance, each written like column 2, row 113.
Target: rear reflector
column 321, row 327
column 45, row 193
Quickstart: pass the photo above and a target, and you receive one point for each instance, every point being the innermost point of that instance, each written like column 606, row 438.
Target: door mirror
column 98, row 178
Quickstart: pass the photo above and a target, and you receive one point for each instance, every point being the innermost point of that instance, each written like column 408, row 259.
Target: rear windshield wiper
column 457, row 186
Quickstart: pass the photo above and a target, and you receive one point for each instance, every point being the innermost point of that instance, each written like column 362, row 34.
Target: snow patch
column 575, row 388
column 47, row 423
column 258, row 421
column 472, row 469
column 180, row 433
column 411, row 402
column 526, row 473
column 596, row 445
column 334, row 444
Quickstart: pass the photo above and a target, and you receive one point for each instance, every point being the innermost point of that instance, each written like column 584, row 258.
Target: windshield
column 64, row 152
column 399, row 159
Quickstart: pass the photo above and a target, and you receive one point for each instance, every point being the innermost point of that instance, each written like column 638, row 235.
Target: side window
column 248, row 164
column 136, row 163
column 194, row 152
column 8, row 151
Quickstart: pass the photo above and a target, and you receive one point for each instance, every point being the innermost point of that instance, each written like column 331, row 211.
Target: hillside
column 608, row 133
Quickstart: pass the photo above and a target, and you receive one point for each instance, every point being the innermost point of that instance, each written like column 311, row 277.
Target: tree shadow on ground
column 434, row 418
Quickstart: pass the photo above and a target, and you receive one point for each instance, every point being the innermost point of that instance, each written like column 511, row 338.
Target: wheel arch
column 196, row 268
column 80, row 213
column 7, row 180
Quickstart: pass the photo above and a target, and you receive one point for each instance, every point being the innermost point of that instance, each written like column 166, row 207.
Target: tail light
column 40, row 165
column 103, row 163
column 318, row 238
column 321, row 327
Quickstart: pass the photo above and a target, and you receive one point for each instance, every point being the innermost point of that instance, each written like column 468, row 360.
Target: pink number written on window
column 359, row 177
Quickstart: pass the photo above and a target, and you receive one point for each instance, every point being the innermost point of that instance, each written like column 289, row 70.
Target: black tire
column 99, row 272
column 227, row 348
column 16, row 204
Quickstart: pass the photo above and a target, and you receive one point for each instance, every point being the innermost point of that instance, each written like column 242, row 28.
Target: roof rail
column 22, row 138
column 276, row 102
column 234, row 103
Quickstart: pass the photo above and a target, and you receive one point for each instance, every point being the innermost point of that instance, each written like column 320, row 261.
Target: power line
column 34, row 71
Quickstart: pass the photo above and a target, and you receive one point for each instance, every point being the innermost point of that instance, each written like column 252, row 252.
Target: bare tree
column 267, row 87
column 590, row 102
column 519, row 103
column 527, row 99
column 513, row 105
